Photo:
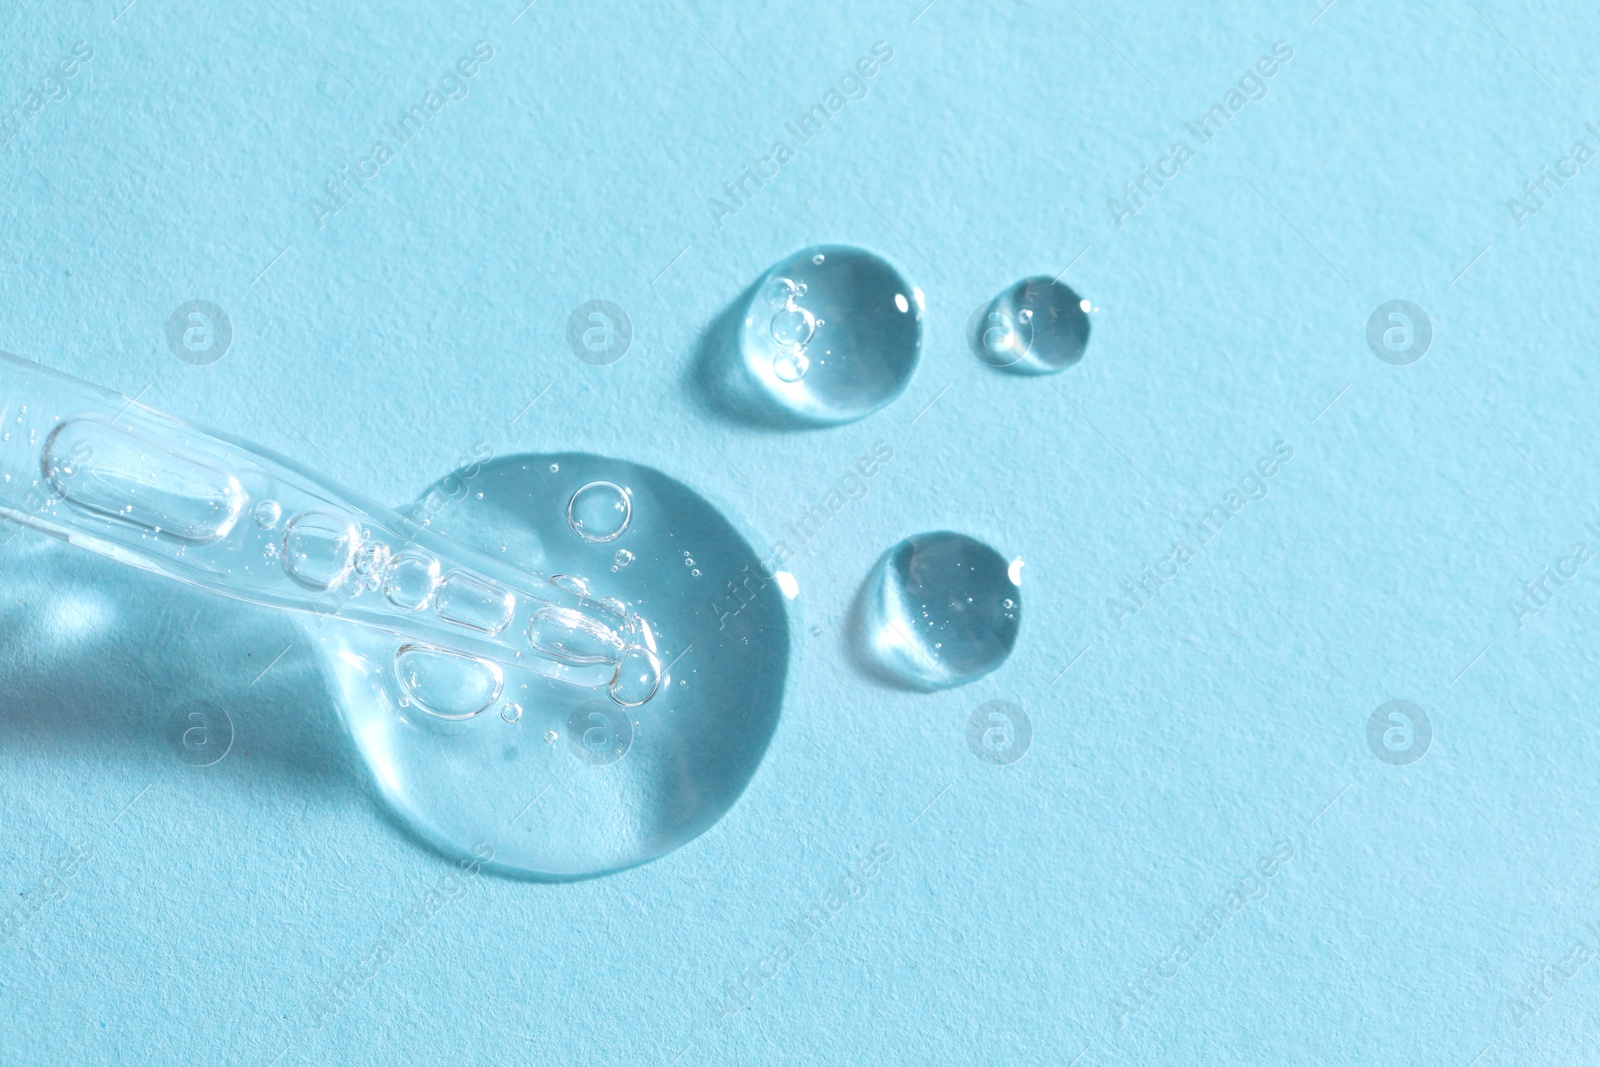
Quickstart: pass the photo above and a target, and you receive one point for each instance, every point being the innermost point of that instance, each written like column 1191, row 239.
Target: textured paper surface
column 1075, row 901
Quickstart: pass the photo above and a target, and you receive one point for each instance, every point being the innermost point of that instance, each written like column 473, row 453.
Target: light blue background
column 1228, row 713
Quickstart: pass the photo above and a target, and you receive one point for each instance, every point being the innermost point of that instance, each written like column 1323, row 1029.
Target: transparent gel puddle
column 1037, row 326
column 831, row 334
column 939, row 610
column 557, row 779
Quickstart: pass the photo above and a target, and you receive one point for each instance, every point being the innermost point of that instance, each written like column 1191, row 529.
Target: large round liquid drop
column 552, row 774
column 832, row 334
column 1037, row 326
column 939, row 610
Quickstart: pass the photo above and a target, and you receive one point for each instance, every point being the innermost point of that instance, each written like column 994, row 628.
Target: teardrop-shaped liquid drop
column 940, row 610
column 843, row 341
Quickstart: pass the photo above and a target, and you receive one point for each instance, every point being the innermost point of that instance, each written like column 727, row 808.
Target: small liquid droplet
column 941, row 609
column 549, row 737
column 1038, row 326
column 511, row 712
column 600, row 511
column 268, row 512
column 695, row 573
column 818, row 258
column 622, row 558
column 554, row 467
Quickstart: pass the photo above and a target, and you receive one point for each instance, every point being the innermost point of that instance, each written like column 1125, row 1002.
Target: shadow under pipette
column 100, row 664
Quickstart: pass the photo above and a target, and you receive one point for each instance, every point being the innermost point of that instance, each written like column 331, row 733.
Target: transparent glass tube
column 106, row 473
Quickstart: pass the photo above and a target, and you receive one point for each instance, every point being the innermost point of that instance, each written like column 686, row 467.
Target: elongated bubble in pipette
column 124, row 476
column 474, row 602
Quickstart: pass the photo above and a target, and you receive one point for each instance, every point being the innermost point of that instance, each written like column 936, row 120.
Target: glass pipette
column 106, row 473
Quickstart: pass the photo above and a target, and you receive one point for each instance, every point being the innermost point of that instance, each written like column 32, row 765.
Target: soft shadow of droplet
column 723, row 381
column 98, row 661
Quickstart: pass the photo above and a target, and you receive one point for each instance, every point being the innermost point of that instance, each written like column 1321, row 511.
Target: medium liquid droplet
column 941, row 610
column 859, row 363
